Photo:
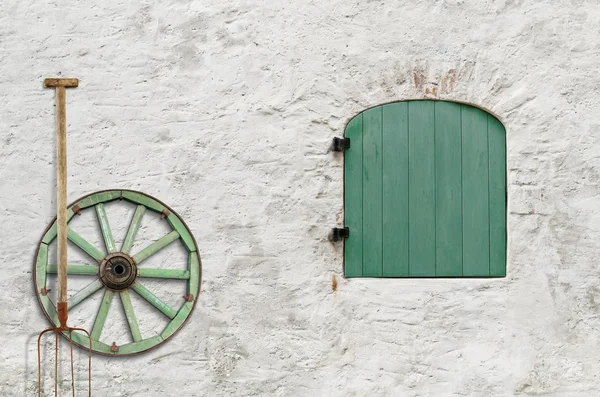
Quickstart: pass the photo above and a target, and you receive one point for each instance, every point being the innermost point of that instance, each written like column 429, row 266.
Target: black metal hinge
column 340, row 144
column 337, row 234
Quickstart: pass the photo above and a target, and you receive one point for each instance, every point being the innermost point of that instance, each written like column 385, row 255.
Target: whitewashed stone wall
column 224, row 110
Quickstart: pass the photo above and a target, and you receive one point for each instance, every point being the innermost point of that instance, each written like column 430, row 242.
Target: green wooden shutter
column 425, row 192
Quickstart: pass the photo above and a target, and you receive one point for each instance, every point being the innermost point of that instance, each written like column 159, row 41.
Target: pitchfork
column 61, row 222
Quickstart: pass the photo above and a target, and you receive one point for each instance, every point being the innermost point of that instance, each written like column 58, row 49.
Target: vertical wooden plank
column 475, row 166
column 353, row 191
column 372, row 193
column 448, row 151
column 422, row 189
column 395, row 189
column 497, row 175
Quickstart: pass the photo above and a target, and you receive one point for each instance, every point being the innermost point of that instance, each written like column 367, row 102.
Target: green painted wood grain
column 50, row 235
column 84, row 270
column 163, row 273
column 102, row 314
column 353, row 211
column 85, row 293
column 84, row 245
column 372, row 193
column 83, row 340
column 109, row 242
column 134, row 226
column 156, row 246
column 50, row 309
column 497, row 158
column 130, row 315
column 154, row 300
column 448, row 215
column 395, row 190
column 41, row 264
column 137, row 347
column 475, row 166
column 102, row 197
column 186, row 237
column 178, row 321
column 146, row 201
column 421, row 189
column 194, row 269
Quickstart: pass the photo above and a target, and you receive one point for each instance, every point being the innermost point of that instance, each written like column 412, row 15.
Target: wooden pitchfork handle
column 61, row 190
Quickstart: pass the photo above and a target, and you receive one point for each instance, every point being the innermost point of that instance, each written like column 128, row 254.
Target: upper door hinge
column 340, row 144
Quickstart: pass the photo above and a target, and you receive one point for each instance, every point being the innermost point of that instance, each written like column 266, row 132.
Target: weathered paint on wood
column 50, row 309
column 61, row 187
column 353, row 212
column 129, row 313
column 109, row 242
column 185, row 235
column 85, row 246
column 75, row 269
column 134, row 226
column 164, row 273
column 156, row 246
column 83, row 294
column 102, row 314
column 50, row 235
column 146, row 201
column 102, row 197
column 174, row 325
column 194, row 269
column 137, row 347
column 41, row 267
column 83, row 340
column 425, row 180
column 154, row 300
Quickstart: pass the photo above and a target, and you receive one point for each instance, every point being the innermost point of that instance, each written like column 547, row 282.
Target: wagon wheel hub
column 118, row 271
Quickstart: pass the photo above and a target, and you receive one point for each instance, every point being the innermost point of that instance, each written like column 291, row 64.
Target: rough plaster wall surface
column 225, row 110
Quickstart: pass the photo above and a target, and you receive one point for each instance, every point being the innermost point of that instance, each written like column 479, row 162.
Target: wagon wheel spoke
column 164, row 273
column 155, row 247
column 102, row 314
column 154, row 300
column 85, row 246
column 75, row 269
column 84, row 293
column 109, row 242
column 133, row 228
column 128, row 308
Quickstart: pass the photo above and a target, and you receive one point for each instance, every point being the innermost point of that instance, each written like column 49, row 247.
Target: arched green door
column 425, row 192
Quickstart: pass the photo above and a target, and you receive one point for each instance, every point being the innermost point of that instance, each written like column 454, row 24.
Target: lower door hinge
column 338, row 234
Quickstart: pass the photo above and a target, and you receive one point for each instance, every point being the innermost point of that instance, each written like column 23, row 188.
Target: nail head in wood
column 56, row 82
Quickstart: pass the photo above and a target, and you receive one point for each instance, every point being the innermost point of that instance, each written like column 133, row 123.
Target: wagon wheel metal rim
column 115, row 263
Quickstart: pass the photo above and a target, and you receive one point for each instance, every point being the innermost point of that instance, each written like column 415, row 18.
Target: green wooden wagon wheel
column 119, row 271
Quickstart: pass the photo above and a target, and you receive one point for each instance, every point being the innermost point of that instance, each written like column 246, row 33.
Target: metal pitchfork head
column 57, row 330
column 61, row 223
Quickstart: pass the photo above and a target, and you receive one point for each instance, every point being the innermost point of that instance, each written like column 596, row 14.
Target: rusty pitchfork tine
column 56, row 331
column 61, row 222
